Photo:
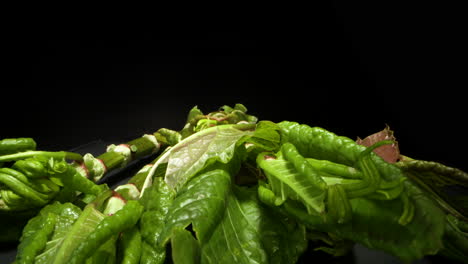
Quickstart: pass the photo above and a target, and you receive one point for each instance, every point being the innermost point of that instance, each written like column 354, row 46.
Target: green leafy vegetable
column 192, row 154
column 156, row 201
column 14, row 145
column 130, row 246
column 200, row 203
column 110, row 226
column 63, row 233
column 31, row 179
column 422, row 236
column 228, row 188
column 61, row 217
column 358, row 198
column 185, row 248
column 287, row 182
column 436, row 179
column 250, row 233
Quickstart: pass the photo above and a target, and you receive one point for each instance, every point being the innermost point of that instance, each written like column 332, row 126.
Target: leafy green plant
column 228, row 188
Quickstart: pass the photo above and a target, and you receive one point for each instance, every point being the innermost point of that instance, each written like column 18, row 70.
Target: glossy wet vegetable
column 228, row 188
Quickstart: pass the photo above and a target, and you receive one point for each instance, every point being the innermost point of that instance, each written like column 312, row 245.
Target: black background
column 350, row 68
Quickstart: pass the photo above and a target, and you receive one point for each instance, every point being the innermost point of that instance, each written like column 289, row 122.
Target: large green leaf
column 193, row 153
column 237, row 238
column 201, row 202
column 156, row 200
column 252, row 233
column 229, row 225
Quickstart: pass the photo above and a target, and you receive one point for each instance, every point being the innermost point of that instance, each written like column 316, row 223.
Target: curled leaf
column 390, row 152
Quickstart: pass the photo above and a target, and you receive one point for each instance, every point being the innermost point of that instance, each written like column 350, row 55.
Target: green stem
column 23, row 190
column 370, row 182
column 371, row 176
column 111, row 160
column 14, row 145
column 408, row 210
column 332, row 169
column 313, row 222
column 99, row 202
column 36, row 242
column 139, row 147
column 142, row 147
column 18, row 175
column 51, row 154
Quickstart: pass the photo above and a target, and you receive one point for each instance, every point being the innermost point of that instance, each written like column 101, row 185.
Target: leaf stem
column 32, row 153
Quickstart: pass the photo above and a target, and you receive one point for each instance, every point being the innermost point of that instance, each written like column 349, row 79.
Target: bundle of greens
column 31, row 179
column 228, row 188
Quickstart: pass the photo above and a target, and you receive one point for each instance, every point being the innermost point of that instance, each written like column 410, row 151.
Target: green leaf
column 192, row 154
column 129, row 246
column 252, row 233
column 192, row 118
column 456, row 239
column 68, row 236
column 107, row 229
column 201, row 202
column 66, row 233
column 318, row 143
column 287, row 182
column 167, row 136
column 229, row 225
column 67, row 212
column 14, row 145
column 36, row 243
column 267, row 137
column 375, row 224
column 62, row 233
column 156, row 200
column 447, row 185
column 185, row 248
column 106, row 253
